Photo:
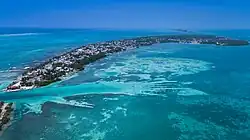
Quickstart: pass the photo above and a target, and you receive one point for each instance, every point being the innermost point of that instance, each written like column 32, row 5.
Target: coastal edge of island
column 58, row 67
column 6, row 113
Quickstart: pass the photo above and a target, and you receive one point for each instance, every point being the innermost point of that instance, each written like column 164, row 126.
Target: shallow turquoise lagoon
column 159, row 92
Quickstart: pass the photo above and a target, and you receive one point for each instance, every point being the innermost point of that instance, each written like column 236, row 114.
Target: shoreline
column 69, row 63
column 6, row 114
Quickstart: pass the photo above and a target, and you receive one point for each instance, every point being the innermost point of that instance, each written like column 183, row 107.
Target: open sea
column 159, row 92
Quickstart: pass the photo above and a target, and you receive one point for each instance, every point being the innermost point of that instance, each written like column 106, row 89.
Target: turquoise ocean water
column 160, row 92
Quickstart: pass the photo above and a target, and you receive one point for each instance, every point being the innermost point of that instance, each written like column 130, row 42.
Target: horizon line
column 104, row 28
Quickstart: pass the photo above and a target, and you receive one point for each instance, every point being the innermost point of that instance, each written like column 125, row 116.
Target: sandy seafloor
column 159, row 92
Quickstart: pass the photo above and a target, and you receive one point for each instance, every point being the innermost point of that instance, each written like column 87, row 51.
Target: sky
column 126, row 14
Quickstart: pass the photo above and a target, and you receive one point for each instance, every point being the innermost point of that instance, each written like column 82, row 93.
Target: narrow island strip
column 6, row 110
column 56, row 68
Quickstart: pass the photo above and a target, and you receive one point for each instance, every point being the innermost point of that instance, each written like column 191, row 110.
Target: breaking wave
column 19, row 34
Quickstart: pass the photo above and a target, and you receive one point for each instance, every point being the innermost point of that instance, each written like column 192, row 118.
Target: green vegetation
column 80, row 63
column 45, row 83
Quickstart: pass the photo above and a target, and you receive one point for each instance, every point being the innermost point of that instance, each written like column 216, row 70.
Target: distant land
column 183, row 30
column 56, row 68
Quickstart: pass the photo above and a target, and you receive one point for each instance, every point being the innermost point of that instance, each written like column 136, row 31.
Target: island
column 58, row 67
column 183, row 30
column 6, row 110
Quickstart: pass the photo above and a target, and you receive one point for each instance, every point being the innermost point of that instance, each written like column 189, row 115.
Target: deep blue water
column 167, row 91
